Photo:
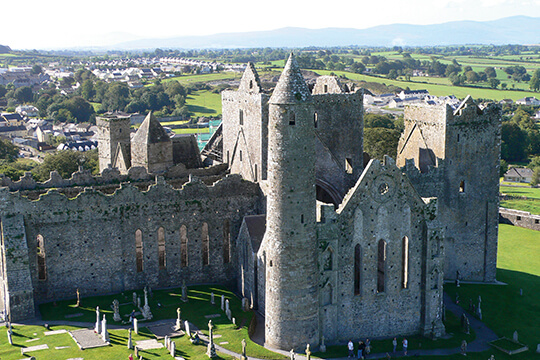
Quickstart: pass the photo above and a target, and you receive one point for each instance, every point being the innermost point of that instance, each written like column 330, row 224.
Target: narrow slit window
column 251, row 84
column 357, row 269
column 227, row 242
column 316, row 120
column 462, row 186
column 183, row 246
column 381, row 266
column 42, row 269
column 348, row 165
column 205, row 245
column 240, row 155
column 405, row 263
column 255, row 173
column 292, row 119
column 139, row 250
column 325, row 88
column 161, row 248
column 241, row 116
column 301, row 218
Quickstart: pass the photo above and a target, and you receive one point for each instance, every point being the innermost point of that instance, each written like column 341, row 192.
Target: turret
column 113, row 138
column 152, row 146
column 292, row 304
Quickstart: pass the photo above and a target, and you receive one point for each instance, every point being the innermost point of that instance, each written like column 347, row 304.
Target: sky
column 55, row 24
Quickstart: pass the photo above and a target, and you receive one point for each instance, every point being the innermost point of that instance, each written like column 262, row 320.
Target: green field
column 204, row 78
column 191, row 131
column 204, row 103
column 529, row 192
column 530, row 204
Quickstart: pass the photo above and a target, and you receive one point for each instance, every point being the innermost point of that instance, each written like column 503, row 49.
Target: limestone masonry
column 320, row 239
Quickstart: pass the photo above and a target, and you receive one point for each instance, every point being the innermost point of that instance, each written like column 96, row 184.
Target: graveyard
column 510, row 309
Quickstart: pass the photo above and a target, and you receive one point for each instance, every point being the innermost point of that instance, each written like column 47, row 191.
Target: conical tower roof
column 291, row 87
column 151, row 131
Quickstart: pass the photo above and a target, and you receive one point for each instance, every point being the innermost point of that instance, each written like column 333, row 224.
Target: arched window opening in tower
column 251, row 84
column 381, row 266
column 42, row 269
column 357, row 269
column 183, row 246
column 139, row 250
column 161, row 248
column 328, row 259
column 405, row 263
column 226, row 242
column 205, row 245
column 462, row 186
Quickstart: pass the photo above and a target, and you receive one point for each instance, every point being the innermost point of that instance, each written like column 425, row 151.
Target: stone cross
column 229, row 314
column 291, row 354
column 184, row 291
column 173, row 349
column 211, row 350
column 308, row 352
column 322, row 347
column 223, row 302
column 463, row 347
column 212, row 299
column 136, row 326
column 227, row 305
column 139, row 302
column 78, row 298
column 188, row 330
column 178, row 319
column 130, row 340
column 97, row 328
column 104, row 332
column 166, row 341
column 134, row 299
column 515, row 336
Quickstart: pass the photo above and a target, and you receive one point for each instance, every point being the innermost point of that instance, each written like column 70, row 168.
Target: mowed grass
column 191, row 131
column 204, row 103
column 195, row 311
column 503, row 308
column 531, row 204
column 204, row 78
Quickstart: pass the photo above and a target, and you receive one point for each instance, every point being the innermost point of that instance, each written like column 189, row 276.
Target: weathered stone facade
column 519, row 218
column 454, row 155
column 319, row 244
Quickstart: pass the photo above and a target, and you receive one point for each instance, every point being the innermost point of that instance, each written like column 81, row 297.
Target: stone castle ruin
column 320, row 239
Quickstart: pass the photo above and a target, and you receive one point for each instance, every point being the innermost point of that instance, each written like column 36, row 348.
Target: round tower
column 292, row 295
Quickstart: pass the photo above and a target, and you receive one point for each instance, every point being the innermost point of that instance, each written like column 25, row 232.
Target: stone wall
column 90, row 241
column 519, row 218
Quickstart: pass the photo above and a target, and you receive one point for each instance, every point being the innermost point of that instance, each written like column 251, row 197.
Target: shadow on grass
column 201, row 109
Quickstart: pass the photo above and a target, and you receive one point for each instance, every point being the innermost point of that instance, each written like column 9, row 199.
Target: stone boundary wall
column 519, row 218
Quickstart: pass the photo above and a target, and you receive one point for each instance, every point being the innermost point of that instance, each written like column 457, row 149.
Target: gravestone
column 223, row 302
column 322, row 347
column 227, row 305
column 78, row 298
column 538, row 349
column 104, row 332
column 234, row 321
column 184, row 291
column 116, row 309
column 136, row 326
column 211, row 351
column 139, row 302
column 515, row 336
column 166, row 342
column 464, row 348
column 308, row 353
column 188, row 329
column 212, row 300
column 291, row 354
column 173, row 349
column 178, row 319
column 244, row 356
column 146, row 313
column 130, row 340
column 465, row 324
column 97, row 328
column 10, row 340
column 245, row 306
column 229, row 314
column 134, row 299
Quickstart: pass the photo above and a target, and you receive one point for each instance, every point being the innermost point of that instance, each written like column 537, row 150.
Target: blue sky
column 61, row 23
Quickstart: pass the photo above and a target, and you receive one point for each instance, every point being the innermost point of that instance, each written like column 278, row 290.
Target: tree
column 24, row 94
column 534, row 163
column 36, row 69
column 381, row 141
column 513, row 143
column 116, row 98
column 3, row 91
column 87, row 90
column 535, row 180
column 393, row 74
column 503, row 168
column 378, row 121
column 472, row 76
column 66, row 162
column 534, row 84
column 8, row 151
column 493, row 82
column 490, row 72
column 81, row 109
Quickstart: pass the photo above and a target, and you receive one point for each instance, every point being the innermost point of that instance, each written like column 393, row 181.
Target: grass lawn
column 194, row 310
column 204, row 103
column 531, row 204
column 503, row 309
column 96, row 106
column 204, row 78
column 191, row 131
column 529, row 192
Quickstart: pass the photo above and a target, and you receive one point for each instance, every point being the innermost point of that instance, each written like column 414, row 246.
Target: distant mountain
column 5, row 49
column 510, row 30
